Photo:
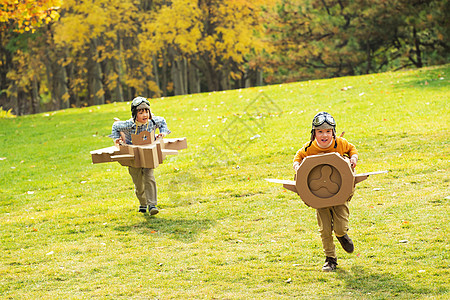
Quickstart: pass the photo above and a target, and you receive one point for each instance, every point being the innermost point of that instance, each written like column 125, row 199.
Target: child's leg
column 341, row 215
column 137, row 176
column 340, row 223
column 325, row 221
column 150, row 187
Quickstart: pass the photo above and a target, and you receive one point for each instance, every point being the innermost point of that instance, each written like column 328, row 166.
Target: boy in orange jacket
column 334, row 218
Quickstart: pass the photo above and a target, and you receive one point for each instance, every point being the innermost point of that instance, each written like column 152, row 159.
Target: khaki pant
column 145, row 185
column 331, row 219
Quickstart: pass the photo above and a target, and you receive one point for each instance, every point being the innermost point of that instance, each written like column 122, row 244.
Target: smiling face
column 324, row 137
column 143, row 115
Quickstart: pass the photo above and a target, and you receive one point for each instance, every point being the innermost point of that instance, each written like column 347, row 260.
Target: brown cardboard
column 324, row 180
column 148, row 153
column 143, row 138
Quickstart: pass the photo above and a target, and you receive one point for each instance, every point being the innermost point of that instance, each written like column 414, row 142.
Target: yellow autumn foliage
column 27, row 15
column 217, row 29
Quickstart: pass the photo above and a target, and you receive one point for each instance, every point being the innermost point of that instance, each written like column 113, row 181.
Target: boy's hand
column 121, row 140
column 353, row 161
column 118, row 142
column 160, row 135
column 296, row 166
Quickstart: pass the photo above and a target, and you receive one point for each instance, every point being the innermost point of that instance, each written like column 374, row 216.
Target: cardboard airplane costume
column 324, row 180
column 145, row 152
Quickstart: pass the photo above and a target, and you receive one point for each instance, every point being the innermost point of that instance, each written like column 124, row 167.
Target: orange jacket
column 343, row 148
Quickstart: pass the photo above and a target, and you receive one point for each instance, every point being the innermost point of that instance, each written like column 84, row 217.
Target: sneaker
column 153, row 210
column 346, row 243
column 330, row 264
column 142, row 209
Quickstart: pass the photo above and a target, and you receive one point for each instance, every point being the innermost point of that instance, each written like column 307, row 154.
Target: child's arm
column 162, row 126
column 117, row 131
column 353, row 154
column 299, row 156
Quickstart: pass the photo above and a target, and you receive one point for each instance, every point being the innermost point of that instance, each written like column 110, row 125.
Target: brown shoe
column 346, row 243
column 153, row 210
column 330, row 264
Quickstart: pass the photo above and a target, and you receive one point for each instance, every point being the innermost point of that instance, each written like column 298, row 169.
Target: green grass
column 70, row 229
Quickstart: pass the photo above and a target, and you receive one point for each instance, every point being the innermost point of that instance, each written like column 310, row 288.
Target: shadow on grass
column 183, row 230
column 386, row 285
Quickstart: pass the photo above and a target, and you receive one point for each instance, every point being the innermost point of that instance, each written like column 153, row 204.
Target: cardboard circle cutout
column 325, row 180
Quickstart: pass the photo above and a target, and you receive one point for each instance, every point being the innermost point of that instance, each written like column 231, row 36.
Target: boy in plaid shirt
column 143, row 178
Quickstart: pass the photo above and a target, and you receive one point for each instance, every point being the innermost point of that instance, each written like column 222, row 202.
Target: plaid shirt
column 128, row 127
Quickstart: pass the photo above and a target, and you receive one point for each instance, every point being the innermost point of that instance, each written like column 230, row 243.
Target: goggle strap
column 310, row 143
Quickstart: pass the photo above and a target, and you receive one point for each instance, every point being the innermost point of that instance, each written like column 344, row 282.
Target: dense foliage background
column 56, row 54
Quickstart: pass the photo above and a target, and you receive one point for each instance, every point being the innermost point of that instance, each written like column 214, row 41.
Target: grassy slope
column 69, row 229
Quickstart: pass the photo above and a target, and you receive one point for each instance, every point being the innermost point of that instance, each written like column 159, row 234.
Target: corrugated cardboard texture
column 142, row 155
column 325, row 180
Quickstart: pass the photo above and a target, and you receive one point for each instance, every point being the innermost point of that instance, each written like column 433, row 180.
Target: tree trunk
column 13, row 100
column 194, row 80
column 61, row 91
column 177, row 72
column 224, row 80
column 118, row 69
column 369, row 58
column 95, row 85
column 259, row 77
column 35, row 100
column 156, row 74
column 419, row 62
column 118, row 89
column 164, row 76
column 211, row 76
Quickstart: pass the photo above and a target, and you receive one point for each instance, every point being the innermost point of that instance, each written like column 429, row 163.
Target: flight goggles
column 138, row 101
column 322, row 118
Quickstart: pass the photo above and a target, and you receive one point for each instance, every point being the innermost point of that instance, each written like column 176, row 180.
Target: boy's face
column 143, row 115
column 324, row 137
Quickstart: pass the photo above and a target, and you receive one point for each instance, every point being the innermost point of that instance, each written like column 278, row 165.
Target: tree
column 422, row 38
column 214, row 37
column 328, row 38
column 27, row 15
column 20, row 67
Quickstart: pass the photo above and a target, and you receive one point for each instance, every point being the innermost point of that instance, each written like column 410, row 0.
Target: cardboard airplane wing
column 324, row 180
column 146, row 152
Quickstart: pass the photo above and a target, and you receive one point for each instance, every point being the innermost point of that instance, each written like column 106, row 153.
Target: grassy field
column 70, row 229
